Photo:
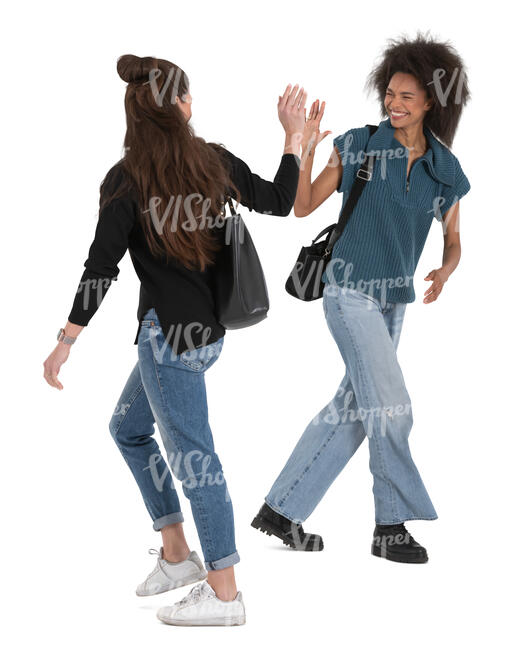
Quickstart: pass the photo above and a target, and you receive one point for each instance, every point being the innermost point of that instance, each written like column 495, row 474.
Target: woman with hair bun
column 422, row 89
column 161, row 202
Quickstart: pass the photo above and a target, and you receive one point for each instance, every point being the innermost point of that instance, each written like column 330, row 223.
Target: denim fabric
column 371, row 401
column 169, row 389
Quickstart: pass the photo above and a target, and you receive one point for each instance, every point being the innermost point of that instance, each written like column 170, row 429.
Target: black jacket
column 182, row 298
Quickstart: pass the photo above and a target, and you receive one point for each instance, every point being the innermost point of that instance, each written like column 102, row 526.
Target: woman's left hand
column 439, row 278
column 291, row 110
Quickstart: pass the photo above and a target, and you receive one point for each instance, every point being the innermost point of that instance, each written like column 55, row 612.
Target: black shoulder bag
column 240, row 290
column 304, row 281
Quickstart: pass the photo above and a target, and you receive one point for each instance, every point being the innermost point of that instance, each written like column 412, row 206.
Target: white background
column 75, row 531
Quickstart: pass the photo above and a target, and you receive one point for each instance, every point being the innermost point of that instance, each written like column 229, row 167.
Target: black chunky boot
column 396, row 544
column 291, row 534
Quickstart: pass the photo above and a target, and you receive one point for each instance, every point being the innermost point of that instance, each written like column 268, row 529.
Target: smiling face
column 406, row 102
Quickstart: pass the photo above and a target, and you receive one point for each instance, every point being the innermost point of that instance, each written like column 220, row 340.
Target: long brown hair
column 169, row 165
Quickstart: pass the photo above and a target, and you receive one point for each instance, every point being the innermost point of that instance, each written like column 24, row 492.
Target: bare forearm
column 451, row 258
column 292, row 143
column 302, row 202
column 71, row 329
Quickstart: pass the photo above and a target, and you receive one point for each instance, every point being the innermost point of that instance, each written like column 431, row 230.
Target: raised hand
column 311, row 132
column 291, row 110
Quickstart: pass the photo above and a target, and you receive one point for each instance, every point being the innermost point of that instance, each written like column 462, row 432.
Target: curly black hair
column 440, row 71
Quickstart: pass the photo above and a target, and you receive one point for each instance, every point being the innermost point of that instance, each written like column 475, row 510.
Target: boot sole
column 386, row 555
column 269, row 529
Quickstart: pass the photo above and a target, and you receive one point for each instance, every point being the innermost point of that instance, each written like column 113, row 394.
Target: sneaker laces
column 194, row 595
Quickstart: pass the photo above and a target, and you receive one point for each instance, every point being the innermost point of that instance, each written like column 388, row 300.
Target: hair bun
column 135, row 68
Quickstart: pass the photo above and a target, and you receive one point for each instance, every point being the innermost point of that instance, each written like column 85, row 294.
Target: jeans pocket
column 202, row 358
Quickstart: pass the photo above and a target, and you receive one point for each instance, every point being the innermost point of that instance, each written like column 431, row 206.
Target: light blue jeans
column 371, row 401
column 169, row 390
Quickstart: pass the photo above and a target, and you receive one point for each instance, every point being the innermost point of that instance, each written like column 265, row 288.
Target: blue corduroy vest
column 381, row 244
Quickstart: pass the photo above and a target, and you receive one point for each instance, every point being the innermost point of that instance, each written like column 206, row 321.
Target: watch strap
column 63, row 338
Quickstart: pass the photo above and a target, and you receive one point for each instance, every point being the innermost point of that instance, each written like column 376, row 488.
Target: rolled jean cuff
column 172, row 518
column 223, row 563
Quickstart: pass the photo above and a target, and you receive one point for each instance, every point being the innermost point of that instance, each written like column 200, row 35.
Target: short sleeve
column 350, row 145
column 452, row 194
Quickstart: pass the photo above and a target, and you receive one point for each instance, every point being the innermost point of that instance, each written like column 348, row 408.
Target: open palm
column 312, row 135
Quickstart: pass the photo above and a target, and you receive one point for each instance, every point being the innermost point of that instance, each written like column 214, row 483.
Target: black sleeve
column 276, row 197
column 110, row 243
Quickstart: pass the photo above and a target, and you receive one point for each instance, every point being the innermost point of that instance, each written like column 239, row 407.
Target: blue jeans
column 371, row 401
column 169, row 389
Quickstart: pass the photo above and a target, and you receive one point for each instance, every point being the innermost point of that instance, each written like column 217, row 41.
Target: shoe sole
column 398, row 558
column 226, row 621
column 177, row 585
column 266, row 527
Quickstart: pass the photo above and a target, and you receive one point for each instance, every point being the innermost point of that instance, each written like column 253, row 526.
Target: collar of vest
column 438, row 158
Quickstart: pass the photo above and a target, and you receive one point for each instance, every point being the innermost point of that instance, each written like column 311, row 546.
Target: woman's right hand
column 311, row 132
column 52, row 365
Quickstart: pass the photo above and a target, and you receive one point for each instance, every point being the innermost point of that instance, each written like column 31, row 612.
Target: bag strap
column 363, row 175
column 228, row 199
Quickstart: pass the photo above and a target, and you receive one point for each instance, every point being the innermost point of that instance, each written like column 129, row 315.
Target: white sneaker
column 171, row 575
column 202, row 607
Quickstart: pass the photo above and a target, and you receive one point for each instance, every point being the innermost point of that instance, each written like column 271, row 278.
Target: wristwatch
column 61, row 336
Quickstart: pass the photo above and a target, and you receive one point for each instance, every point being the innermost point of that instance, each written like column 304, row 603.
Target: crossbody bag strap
column 364, row 174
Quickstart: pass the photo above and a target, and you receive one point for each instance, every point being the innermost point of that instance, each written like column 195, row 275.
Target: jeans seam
column 285, row 513
column 401, row 520
column 176, row 441
column 368, row 401
column 290, row 490
column 130, row 402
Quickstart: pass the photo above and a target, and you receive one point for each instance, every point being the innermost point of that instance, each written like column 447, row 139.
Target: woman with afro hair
column 422, row 88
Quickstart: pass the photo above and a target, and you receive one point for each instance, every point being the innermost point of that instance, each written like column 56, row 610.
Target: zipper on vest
column 407, row 185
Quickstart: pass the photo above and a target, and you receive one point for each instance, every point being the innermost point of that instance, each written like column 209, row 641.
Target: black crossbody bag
column 304, row 281
column 240, row 290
